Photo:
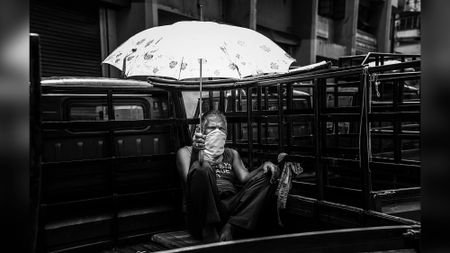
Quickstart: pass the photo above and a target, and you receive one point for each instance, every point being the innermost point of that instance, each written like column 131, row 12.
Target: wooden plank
column 152, row 247
column 175, row 239
column 123, row 250
column 138, row 248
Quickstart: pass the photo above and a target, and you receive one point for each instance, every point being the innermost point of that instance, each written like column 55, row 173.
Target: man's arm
column 244, row 175
column 183, row 160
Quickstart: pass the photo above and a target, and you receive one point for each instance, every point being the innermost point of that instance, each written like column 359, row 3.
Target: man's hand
column 269, row 166
column 198, row 141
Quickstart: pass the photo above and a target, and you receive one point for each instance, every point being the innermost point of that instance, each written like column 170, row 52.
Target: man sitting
column 221, row 194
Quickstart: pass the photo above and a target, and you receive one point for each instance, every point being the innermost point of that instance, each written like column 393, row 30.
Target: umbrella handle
column 201, row 152
column 201, row 157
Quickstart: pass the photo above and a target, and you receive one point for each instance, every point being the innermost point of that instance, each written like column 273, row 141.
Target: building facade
column 407, row 27
column 77, row 35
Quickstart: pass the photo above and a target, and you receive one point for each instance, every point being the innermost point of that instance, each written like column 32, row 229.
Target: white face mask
column 214, row 144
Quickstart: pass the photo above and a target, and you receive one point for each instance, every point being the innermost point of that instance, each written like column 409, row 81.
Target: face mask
column 214, row 144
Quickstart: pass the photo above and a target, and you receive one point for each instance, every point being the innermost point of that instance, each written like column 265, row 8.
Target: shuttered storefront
column 70, row 36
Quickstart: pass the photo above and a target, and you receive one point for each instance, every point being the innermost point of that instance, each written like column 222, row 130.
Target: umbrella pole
column 201, row 152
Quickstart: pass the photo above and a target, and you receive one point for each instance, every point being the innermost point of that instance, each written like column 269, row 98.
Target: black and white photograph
column 225, row 126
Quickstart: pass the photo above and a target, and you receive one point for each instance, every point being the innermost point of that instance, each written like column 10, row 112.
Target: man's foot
column 227, row 233
column 209, row 234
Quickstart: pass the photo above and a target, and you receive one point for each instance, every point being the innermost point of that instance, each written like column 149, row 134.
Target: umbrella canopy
column 173, row 51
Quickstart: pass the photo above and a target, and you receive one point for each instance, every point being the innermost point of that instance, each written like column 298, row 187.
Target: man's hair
column 213, row 114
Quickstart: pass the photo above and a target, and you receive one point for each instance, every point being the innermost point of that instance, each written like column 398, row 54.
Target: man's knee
column 203, row 170
column 261, row 177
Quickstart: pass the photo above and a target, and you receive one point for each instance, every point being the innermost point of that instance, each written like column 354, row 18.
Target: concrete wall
column 345, row 29
column 276, row 15
column 130, row 21
column 304, row 26
column 237, row 12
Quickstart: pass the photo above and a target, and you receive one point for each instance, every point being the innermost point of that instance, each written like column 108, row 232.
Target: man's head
column 215, row 128
column 212, row 120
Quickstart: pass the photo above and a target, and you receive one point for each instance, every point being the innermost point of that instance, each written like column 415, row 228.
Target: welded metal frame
column 177, row 122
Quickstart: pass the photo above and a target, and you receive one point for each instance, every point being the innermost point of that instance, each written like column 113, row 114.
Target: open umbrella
column 196, row 50
column 173, row 51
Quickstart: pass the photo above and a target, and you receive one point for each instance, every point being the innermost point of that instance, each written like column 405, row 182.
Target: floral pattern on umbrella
column 173, row 51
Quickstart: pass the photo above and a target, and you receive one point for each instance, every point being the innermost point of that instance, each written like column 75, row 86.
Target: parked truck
column 104, row 177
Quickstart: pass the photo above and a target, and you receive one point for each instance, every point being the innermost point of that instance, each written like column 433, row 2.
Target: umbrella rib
column 225, row 51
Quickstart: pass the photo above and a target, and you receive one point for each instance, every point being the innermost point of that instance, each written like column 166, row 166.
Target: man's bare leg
column 209, row 234
column 227, row 233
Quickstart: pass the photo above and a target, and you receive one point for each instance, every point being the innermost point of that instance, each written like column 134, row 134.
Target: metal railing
column 271, row 129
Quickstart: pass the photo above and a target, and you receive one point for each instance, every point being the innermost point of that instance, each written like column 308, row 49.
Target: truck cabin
column 105, row 179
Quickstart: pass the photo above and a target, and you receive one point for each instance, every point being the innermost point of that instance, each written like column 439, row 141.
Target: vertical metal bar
column 170, row 107
column 396, row 99
column 259, row 98
column 403, row 59
column 322, row 105
column 174, row 138
column 200, row 3
column 233, row 109
column 266, row 108
column 239, row 105
column 201, row 92
column 36, row 176
column 266, row 98
column 280, row 118
column 317, row 93
column 211, row 100
column 201, row 152
column 239, row 109
column 112, row 170
column 110, row 105
column 111, row 116
column 363, row 144
column 290, row 95
column 289, row 107
column 249, row 128
column 222, row 101
column 178, row 125
column 336, row 93
column 336, row 104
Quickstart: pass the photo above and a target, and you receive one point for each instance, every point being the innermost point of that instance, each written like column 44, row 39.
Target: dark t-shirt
column 225, row 176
